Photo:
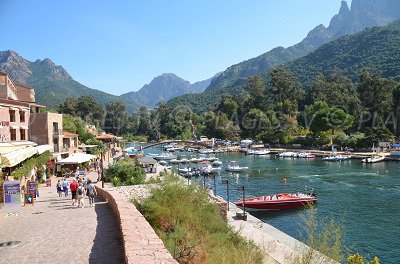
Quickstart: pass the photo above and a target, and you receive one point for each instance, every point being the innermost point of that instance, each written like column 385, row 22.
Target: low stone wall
column 141, row 243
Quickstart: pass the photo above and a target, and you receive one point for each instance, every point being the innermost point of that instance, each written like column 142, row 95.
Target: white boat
column 206, row 151
column 233, row 166
column 211, row 158
column 165, row 156
column 305, row 155
column 249, row 152
column 374, row 158
column 336, row 158
column 261, row 152
column 287, row 154
column 217, row 163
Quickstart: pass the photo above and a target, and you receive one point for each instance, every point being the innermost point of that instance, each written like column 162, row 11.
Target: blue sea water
column 364, row 198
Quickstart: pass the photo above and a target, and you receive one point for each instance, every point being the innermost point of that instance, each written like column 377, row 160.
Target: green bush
column 125, row 173
column 191, row 227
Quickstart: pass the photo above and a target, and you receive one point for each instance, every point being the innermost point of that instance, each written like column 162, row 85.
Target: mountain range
column 165, row 87
column 363, row 14
column 53, row 84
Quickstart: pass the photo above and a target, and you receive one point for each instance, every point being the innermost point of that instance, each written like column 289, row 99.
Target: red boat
column 280, row 201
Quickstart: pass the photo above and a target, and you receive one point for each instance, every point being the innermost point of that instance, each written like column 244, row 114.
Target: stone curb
column 141, row 243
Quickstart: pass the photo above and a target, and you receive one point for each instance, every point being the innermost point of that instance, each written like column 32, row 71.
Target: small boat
column 165, row 156
column 287, row 154
column 336, row 158
column 206, row 151
column 374, row 158
column 280, row 201
column 261, row 152
column 217, row 163
column 249, row 152
column 233, row 166
column 306, row 155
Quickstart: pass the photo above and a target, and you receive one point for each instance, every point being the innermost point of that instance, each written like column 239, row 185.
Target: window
column 12, row 115
column 22, row 134
column 22, row 116
column 13, row 134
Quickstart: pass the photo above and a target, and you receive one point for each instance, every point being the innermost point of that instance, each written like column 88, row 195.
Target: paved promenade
column 54, row 231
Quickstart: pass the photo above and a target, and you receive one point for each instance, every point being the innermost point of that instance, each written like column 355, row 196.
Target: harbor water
column 362, row 198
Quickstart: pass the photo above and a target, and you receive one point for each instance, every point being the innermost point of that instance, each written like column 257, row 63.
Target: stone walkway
column 54, row 231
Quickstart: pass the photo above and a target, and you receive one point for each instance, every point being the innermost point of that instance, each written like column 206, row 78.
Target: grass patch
column 191, row 227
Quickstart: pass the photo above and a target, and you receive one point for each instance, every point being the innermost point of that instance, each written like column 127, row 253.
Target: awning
column 23, row 127
column 14, row 127
column 14, row 158
column 43, row 148
column 77, row 158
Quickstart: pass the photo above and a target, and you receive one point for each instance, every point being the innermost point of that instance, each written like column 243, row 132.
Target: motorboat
column 280, row 201
column 211, row 158
column 249, row 152
column 287, row 154
column 373, row 159
column 233, row 166
column 336, row 158
column 217, row 163
column 305, row 155
column 165, row 156
column 261, row 152
column 206, row 151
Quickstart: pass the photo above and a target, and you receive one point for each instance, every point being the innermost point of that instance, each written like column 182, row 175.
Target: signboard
column 48, row 182
column 1, row 194
column 12, row 197
column 28, row 198
column 32, row 188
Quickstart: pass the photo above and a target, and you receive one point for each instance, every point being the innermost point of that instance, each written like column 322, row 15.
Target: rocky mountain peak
column 15, row 66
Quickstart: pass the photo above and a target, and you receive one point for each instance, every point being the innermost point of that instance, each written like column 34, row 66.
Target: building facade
column 47, row 129
column 16, row 104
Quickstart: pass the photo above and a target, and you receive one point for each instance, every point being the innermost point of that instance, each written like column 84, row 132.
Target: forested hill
column 376, row 49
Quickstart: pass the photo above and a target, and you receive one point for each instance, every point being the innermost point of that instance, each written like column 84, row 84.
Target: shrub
column 125, row 173
column 191, row 227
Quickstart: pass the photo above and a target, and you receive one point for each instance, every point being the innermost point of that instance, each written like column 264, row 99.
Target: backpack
column 80, row 192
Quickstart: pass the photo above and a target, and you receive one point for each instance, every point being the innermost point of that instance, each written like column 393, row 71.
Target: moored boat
column 373, row 159
column 233, row 166
column 280, row 201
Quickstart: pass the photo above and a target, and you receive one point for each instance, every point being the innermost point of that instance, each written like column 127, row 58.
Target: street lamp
column 102, row 171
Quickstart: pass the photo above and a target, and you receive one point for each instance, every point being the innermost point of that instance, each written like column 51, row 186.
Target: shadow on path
column 107, row 245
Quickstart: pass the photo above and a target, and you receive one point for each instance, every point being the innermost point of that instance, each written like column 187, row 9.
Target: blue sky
column 118, row 46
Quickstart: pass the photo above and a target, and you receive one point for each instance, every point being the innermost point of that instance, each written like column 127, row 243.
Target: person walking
column 92, row 192
column 65, row 187
column 74, row 186
column 81, row 195
column 59, row 188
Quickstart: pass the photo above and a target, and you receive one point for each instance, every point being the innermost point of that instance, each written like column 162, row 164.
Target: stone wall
column 141, row 243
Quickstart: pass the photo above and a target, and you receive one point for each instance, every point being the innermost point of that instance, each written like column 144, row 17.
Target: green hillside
column 376, row 49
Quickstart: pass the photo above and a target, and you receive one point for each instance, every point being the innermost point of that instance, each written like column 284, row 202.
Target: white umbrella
column 77, row 158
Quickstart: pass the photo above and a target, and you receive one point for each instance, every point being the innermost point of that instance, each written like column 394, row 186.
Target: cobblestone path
column 54, row 231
